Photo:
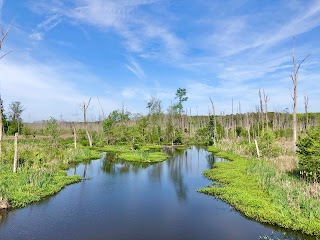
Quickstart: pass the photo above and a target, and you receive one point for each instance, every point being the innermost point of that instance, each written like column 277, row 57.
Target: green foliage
column 13, row 127
column 239, row 131
column 52, row 128
column 181, row 95
column 286, row 133
column 309, row 154
column 267, row 145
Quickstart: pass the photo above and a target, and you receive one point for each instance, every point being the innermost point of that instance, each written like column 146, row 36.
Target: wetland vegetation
column 268, row 178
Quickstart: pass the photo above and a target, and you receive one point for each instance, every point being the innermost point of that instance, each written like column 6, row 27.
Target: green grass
column 182, row 148
column 27, row 186
column 145, row 153
column 41, row 169
column 114, row 148
column 143, row 156
column 253, row 187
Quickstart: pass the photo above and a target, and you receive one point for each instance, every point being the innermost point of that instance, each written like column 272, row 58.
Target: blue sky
column 124, row 51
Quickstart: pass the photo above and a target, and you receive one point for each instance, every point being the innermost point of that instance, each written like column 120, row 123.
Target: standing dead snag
column 266, row 100
column 85, row 108
column 261, row 111
column 306, row 104
column 215, row 123
column 15, row 158
column 294, row 79
column 4, row 35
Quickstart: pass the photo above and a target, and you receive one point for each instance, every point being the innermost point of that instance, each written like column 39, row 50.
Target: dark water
column 135, row 201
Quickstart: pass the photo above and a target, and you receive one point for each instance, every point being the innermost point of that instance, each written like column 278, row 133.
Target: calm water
column 121, row 200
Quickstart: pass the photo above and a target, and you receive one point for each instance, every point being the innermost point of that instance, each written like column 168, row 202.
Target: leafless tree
column 266, row 100
column 306, row 104
column 15, row 158
column 294, row 78
column 261, row 111
column 215, row 122
column 85, row 108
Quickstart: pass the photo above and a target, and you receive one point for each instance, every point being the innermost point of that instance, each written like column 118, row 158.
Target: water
column 121, row 200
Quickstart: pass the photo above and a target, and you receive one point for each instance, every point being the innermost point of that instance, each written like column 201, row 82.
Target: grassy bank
column 41, row 169
column 261, row 192
column 146, row 153
column 143, row 156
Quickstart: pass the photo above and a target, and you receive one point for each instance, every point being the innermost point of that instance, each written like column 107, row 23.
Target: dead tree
column 248, row 127
column 74, row 130
column 4, row 35
column 15, row 157
column 232, row 125
column 294, row 79
column 266, row 100
column 215, row 122
column 261, row 111
column 85, row 108
column 306, row 104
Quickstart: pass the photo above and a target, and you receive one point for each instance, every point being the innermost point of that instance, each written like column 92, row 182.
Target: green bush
column 309, row 154
column 267, row 145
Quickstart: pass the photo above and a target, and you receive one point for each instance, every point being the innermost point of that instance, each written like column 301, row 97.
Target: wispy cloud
column 135, row 68
column 49, row 23
column 236, row 34
column 36, row 36
column 138, row 29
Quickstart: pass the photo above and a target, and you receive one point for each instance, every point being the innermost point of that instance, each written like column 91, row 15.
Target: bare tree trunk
column 232, row 125
column 215, row 122
column 85, row 108
column 257, row 148
column 266, row 100
column 248, row 128
column 261, row 109
column 15, row 158
column 75, row 136
column 294, row 79
column 306, row 103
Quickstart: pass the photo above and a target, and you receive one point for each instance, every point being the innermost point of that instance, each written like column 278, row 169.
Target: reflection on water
column 3, row 215
column 124, row 200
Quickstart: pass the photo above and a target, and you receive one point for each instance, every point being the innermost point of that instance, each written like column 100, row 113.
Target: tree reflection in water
column 3, row 215
column 175, row 166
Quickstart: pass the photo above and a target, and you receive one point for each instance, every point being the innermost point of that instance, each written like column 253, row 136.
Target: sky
column 122, row 52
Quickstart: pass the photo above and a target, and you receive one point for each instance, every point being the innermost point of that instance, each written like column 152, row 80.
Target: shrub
column 309, row 154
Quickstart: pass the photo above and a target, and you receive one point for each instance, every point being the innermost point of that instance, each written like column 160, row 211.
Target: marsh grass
column 143, row 156
column 40, row 171
column 266, row 190
column 146, row 153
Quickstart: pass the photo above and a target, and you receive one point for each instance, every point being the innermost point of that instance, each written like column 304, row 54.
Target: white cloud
column 135, row 68
column 50, row 22
column 36, row 36
column 45, row 90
